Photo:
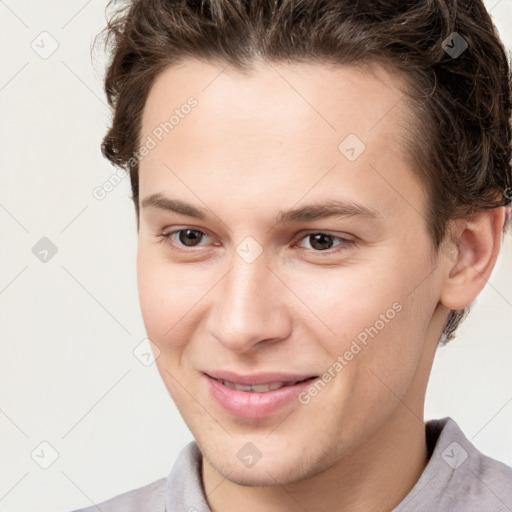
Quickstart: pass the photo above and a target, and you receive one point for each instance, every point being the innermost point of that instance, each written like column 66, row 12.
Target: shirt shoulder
column 180, row 490
column 150, row 497
column 458, row 477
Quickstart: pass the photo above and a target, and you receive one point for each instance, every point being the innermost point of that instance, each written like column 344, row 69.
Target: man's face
column 251, row 291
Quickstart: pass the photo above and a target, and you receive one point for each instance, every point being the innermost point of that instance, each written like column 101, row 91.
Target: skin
column 263, row 142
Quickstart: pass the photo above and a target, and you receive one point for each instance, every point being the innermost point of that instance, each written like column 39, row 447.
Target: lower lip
column 251, row 404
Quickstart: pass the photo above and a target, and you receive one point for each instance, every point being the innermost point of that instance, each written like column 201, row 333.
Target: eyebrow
column 310, row 212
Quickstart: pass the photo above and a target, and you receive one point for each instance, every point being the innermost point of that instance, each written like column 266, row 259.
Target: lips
column 255, row 396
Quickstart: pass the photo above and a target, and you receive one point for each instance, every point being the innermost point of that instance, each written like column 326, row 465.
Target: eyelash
column 344, row 243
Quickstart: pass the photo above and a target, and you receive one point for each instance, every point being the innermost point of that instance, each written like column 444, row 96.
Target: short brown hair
column 461, row 145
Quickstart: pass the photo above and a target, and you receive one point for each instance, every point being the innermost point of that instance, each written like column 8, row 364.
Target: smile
column 255, row 399
column 258, row 388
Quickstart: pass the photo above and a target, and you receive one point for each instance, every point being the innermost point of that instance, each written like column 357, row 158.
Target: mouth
column 258, row 396
column 261, row 388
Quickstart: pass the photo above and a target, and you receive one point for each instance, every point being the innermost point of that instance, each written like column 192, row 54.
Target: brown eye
column 185, row 238
column 189, row 237
column 322, row 242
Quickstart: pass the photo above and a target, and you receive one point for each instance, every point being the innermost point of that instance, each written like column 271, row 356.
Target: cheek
column 348, row 299
column 168, row 303
column 162, row 294
column 171, row 296
column 369, row 313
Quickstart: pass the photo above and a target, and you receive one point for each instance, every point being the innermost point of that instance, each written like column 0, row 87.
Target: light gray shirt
column 457, row 478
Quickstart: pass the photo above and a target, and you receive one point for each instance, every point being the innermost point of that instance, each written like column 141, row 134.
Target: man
column 321, row 191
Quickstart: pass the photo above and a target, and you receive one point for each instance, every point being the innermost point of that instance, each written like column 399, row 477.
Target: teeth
column 259, row 388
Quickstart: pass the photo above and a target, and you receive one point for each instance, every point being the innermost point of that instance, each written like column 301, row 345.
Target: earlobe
column 474, row 247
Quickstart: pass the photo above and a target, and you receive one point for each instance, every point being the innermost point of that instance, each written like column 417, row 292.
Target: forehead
column 297, row 128
column 274, row 97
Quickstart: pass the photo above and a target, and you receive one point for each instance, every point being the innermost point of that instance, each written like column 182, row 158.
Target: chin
column 258, row 476
column 276, row 467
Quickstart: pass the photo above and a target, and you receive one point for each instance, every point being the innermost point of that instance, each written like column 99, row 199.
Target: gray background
column 69, row 326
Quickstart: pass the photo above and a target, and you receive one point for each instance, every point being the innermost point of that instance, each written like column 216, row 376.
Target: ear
column 470, row 254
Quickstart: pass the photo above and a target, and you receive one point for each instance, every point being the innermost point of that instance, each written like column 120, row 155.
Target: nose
column 250, row 308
